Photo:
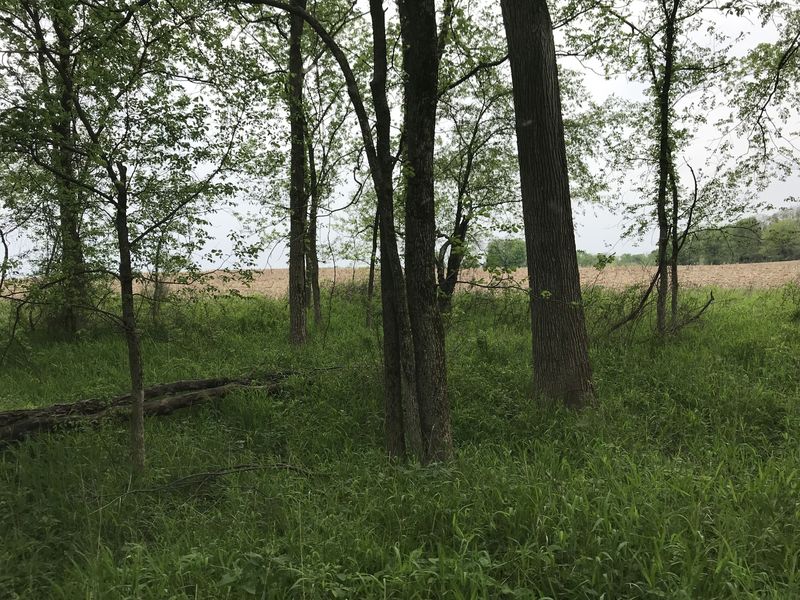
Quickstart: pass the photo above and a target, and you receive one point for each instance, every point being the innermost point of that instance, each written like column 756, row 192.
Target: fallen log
column 95, row 405
column 162, row 399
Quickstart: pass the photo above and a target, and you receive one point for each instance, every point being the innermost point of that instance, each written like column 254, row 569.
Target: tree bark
column 298, row 329
column 664, row 152
column 312, row 258
column 371, row 279
column 401, row 410
column 421, row 70
column 73, row 266
column 676, row 248
column 561, row 366
column 450, row 271
column 129, row 322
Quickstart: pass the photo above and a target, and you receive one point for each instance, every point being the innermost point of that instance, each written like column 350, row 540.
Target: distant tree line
column 752, row 239
column 775, row 237
column 509, row 254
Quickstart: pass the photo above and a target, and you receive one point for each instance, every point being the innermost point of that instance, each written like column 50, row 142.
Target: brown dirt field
column 274, row 282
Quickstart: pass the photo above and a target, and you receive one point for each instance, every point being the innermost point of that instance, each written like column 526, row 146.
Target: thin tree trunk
column 399, row 369
column 129, row 324
column 421, row 68
column 312, row 258
column 371, row 280
column 561, row 366
column 676, row 248
column 664, row 128
column 297, row 191
column 448, row 277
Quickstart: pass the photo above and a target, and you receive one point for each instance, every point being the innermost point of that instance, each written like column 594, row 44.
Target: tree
column 298, row 198
column 142, row 134
column 782, row 240
column 680, row 54
column 764, row 88
column 476, row 173
column 560, row 343
column 403, row 410
column 505, row 254
column 30, row 49
column 420, row 95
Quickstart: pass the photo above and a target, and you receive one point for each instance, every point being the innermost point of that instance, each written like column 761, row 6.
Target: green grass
column 683, row 483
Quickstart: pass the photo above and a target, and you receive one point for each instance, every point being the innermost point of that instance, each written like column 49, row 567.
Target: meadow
column 683, row 482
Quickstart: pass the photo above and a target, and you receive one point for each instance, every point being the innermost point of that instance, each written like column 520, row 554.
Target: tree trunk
column 421, row 69
column 312, row 258
column 402, row 418
column 449, row 273
column 73, row 267
column 664, row 152
column 371, row 280
column 399, row 369
column 561, row 366
column 129, row 323
column 676, row 248
column 297, row 183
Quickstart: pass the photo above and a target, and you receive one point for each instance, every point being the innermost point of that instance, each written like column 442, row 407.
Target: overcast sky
column 598, row 229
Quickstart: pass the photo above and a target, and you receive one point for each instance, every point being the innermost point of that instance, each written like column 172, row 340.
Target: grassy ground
column 683, row 483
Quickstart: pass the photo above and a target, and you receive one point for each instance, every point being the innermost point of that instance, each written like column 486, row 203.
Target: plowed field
column 274, row 282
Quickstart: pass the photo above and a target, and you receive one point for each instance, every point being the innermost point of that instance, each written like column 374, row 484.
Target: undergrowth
column 682, row 483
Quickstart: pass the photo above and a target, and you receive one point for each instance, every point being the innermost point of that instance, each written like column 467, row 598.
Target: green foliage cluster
column 682, row 483
column 505, row 254
column 748, row 240
column 600, row 260
column 509, row 254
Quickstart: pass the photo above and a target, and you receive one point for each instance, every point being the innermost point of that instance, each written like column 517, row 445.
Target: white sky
column 598, row 229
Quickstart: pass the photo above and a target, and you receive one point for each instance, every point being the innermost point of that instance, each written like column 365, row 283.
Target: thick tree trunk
column 312, row 258
column 73, row 267
column 402, row 418
column 421, row 68
column 664, row 153
column 129, row 324
column 561, row 366
column 297, row 184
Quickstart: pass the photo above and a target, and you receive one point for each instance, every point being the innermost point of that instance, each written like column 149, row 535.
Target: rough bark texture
column 560, row 346
column 664, row 130
column 297, row 184
column 72, row 265
column 401, row 410
column 421, row 69
column 129, row 323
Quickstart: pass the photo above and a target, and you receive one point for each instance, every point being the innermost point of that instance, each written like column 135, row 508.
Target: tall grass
column 682, row 483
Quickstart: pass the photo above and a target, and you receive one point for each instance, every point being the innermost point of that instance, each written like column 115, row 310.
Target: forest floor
column 274, row 282
column 683, row 482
